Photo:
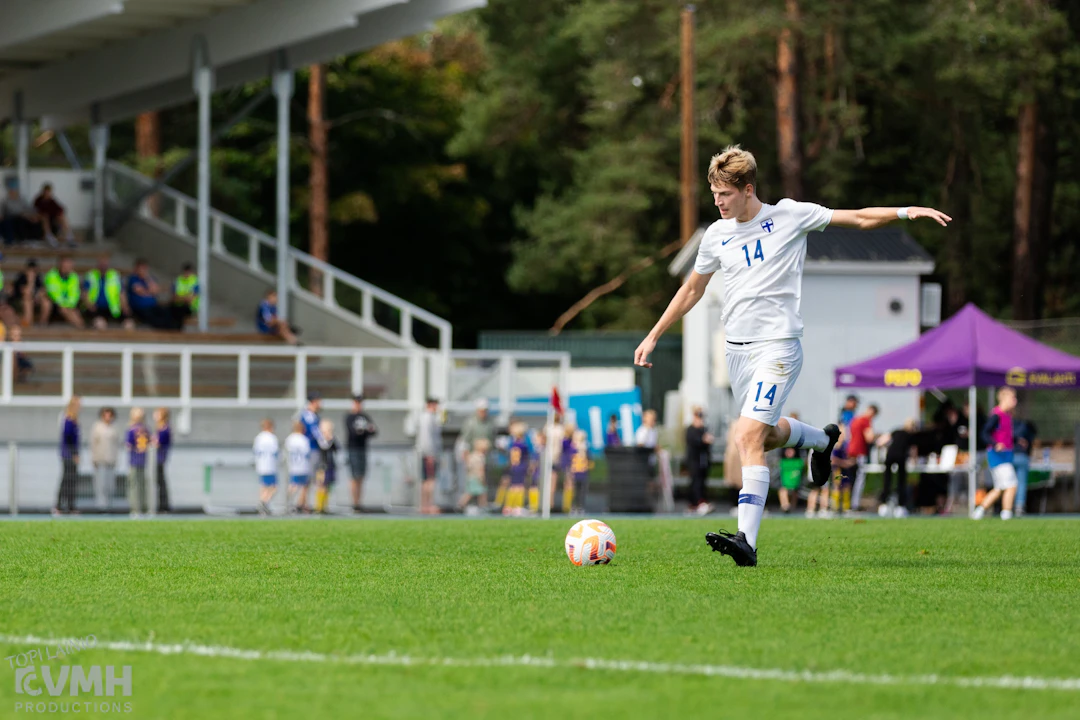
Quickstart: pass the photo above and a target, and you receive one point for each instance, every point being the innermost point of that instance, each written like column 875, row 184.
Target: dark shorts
column 358, row 462
column 429, row 467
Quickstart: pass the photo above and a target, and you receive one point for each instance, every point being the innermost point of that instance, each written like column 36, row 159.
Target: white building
column 861, row 297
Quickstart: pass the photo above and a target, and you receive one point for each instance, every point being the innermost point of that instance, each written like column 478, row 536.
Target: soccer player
column 266, row 464
column 298, row 458
column 760, row 249
column 998, row 435
column 138, row 441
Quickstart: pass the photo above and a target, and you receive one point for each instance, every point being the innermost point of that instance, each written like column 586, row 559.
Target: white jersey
column 298, row 455
column 266, row 453
column 762, row 261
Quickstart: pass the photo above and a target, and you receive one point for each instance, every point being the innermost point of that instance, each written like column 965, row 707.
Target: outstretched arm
column 875, row 217
column 684, row 299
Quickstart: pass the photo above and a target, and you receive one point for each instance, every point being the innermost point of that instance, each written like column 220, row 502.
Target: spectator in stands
column 162, row 443
column 428, row 447
column 142, row 293
column 69, row 453
column 268, row 322
column 185, row 295
column 138, row 442
column 29, row 292
column 53, row 218
column 62, row 286
column 24, row 368
column 360, row 428
column 104, row 452
column 19, row 220
column 1024, row 432
column 698, row 459
column 104, row 298
column 611, row 436
column 8, row 316
column 901, row 449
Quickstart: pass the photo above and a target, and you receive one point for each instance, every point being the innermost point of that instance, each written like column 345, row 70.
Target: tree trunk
column 957, row 203
column 1023, row 285
column 148, row 145
column 319, row 231
column 787, row 105
column 1042, row 206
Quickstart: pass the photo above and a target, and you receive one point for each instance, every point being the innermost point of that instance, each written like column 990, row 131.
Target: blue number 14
column 758, row 255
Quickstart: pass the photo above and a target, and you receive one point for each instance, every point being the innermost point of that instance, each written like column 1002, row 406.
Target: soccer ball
column 590, row 542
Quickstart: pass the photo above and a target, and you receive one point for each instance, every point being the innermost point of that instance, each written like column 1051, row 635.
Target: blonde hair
column 734, row 166
column 162, row 415
column 72, row 409
column 481, row 445
column 137, row 415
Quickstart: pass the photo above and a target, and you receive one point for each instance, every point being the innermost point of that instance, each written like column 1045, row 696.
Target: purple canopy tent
column 970, row 350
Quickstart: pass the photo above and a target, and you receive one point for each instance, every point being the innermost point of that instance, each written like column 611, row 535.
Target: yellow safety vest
column 113, row 288
column 188, row 287
column 64, row 291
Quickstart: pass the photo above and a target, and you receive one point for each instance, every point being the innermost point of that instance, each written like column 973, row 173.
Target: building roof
column 841, row 249
column 70, row 61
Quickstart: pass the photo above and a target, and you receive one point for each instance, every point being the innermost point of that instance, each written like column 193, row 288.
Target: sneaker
column 703, row 509
column 1006, row 514
column 262, row 509
column 883, row 510
column 821, row 460
column 900, row 513
column 51, row 240
column 978, row 512
column 735, row 545
column 810, row 515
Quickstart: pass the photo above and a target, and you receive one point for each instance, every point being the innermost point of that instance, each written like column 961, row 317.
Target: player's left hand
column 914, row 213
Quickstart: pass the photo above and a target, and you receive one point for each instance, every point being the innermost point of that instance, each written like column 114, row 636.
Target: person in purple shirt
column 162, row 442
column 138, row 443
column 69, row 455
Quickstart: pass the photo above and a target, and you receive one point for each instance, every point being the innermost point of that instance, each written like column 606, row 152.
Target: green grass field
column 878, row 598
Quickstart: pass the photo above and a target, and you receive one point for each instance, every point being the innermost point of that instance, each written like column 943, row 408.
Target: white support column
column 22, row 148
column 973, row 463
column 99, row 141
column 185, row 378
column 67, row 373
column 301, row 378
column 7, row 368
column 13, row 478
column 357, row 373
column 127, row 360
column 204, row 81
column 243, row 377
column 283, row 91
column 507, row 366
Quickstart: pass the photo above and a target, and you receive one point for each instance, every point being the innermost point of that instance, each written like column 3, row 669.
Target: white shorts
column 762, row 376
column 1004, row 476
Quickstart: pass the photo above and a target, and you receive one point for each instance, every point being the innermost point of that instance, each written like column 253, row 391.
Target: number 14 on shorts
column 769, row 395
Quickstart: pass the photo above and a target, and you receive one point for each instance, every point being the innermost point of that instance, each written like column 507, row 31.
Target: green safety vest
column 64, row 291
column 188, row 287
column 113, row 288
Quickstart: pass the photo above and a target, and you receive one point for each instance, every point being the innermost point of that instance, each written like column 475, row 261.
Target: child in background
column 519, row 469
column 844, row 469
column 538, row 444
column 266, row 464
column 138, row 442
column 162, row 442
column 566, row 456
column 326, row 475
column 579, row 471
column 792, row 472
column 611, row 437
column 475, row 469
column 298, row 459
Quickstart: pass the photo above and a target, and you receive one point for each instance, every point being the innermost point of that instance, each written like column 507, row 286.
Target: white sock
column 806, row 436
column 755, row 488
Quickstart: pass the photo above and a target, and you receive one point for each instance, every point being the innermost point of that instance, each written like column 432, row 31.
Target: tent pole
column 973, row 467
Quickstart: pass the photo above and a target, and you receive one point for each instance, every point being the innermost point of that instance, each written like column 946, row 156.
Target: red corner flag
column 556, row 402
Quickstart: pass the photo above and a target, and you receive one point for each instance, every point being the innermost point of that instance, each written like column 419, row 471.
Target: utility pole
column 689, row 181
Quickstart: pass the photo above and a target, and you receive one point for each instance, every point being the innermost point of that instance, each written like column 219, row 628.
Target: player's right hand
column 641, row 355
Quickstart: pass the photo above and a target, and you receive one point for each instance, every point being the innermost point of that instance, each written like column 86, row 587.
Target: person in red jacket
column 862, row 438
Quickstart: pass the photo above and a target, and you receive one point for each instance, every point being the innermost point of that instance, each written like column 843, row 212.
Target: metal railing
column 238, row 243
column 212, row 376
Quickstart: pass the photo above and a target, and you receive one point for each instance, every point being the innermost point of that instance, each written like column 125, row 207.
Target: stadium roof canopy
column 66, row 62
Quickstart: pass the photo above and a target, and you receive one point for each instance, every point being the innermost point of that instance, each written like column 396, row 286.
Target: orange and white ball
column 590, row 542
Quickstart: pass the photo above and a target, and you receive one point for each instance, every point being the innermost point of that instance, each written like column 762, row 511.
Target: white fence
column 205, row 376
column 349, row 297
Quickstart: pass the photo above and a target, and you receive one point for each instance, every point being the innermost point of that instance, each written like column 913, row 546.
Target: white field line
column 847, row 677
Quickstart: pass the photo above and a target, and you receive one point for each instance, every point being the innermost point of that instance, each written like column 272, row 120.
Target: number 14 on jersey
column 758, row 255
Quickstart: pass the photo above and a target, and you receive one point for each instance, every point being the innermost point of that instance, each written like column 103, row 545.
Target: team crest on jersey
column 767, row 225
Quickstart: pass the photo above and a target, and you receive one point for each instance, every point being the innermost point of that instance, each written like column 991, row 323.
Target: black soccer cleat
column 821, row 460
column 736, row 546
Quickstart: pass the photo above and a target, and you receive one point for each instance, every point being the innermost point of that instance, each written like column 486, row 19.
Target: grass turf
column 950, row 597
